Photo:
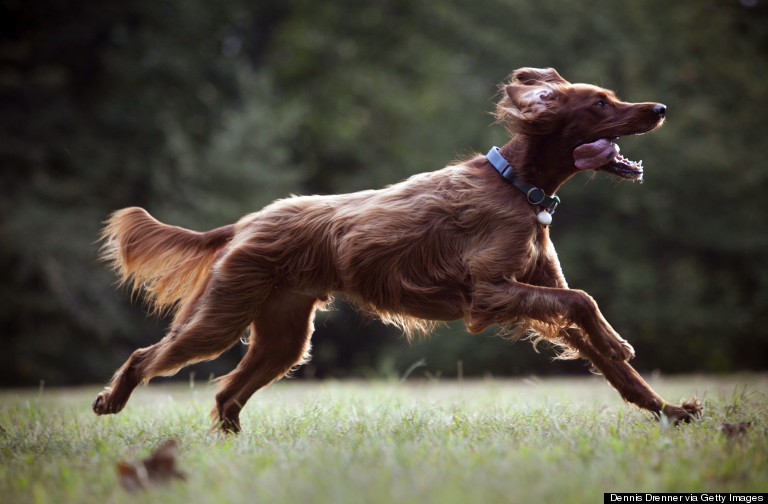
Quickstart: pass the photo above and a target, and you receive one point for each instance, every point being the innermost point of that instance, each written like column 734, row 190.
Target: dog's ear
column 529, row 109
column 533, row 76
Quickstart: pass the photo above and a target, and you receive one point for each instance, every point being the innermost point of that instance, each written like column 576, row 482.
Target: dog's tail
column 167, row 263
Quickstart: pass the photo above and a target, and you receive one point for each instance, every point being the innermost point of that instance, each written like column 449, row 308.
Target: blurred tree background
column 202, row 111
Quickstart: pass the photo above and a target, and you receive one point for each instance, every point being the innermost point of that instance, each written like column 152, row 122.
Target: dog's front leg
column 511, row 302
column 630, row 384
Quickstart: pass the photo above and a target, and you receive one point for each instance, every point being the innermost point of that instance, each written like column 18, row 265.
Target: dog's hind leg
column 630, row 384
column 201, row 333
column 280, row 339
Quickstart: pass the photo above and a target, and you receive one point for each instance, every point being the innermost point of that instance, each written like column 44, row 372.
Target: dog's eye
column 601, row 104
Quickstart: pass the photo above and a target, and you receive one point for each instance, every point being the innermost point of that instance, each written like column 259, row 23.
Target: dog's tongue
column 596, row 154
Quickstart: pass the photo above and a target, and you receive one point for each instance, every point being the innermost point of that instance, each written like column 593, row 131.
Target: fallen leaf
column 132, row 478
column 734, row 429
column 159, row 467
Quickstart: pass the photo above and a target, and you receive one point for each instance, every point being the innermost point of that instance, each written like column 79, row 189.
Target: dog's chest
column 539, row 257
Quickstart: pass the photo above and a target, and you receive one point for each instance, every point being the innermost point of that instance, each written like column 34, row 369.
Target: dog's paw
column 101, row 405
column 693, row 408
column 690, row 411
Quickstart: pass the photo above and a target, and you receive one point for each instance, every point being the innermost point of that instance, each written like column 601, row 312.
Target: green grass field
column 512, row 441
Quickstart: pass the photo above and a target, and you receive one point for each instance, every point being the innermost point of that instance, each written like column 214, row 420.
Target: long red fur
column 457, row 243
column 166, row 263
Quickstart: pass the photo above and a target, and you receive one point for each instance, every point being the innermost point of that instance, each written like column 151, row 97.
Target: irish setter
column 469, row 241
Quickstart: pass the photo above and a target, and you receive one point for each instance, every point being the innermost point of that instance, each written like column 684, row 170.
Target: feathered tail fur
column 167, row 263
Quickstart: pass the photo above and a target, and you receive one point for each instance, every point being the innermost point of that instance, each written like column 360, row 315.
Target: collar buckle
column 534, row 195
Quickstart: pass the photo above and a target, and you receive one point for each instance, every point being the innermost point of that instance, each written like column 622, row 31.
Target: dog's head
column 584, row 118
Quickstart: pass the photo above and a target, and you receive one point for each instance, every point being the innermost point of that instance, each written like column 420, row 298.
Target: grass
column 515, row 441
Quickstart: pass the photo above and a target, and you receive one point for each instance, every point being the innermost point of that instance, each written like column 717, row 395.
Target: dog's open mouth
column 604, row 155
column 624, row 168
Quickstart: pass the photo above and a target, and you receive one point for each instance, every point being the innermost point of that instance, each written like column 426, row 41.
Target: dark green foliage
column 202, row 113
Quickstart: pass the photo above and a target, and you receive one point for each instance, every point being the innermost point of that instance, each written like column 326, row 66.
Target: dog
column 469, row 241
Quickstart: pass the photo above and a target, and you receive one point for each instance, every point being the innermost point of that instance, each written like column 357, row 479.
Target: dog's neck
column 537, row 161
column 535, row 195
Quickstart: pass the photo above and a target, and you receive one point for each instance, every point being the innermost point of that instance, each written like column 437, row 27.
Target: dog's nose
column 660, row 110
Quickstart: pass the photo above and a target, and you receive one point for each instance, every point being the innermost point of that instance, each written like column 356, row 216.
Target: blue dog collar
column 535, row 195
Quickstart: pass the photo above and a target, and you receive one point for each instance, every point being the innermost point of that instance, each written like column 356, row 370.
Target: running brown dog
column 469, row 241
